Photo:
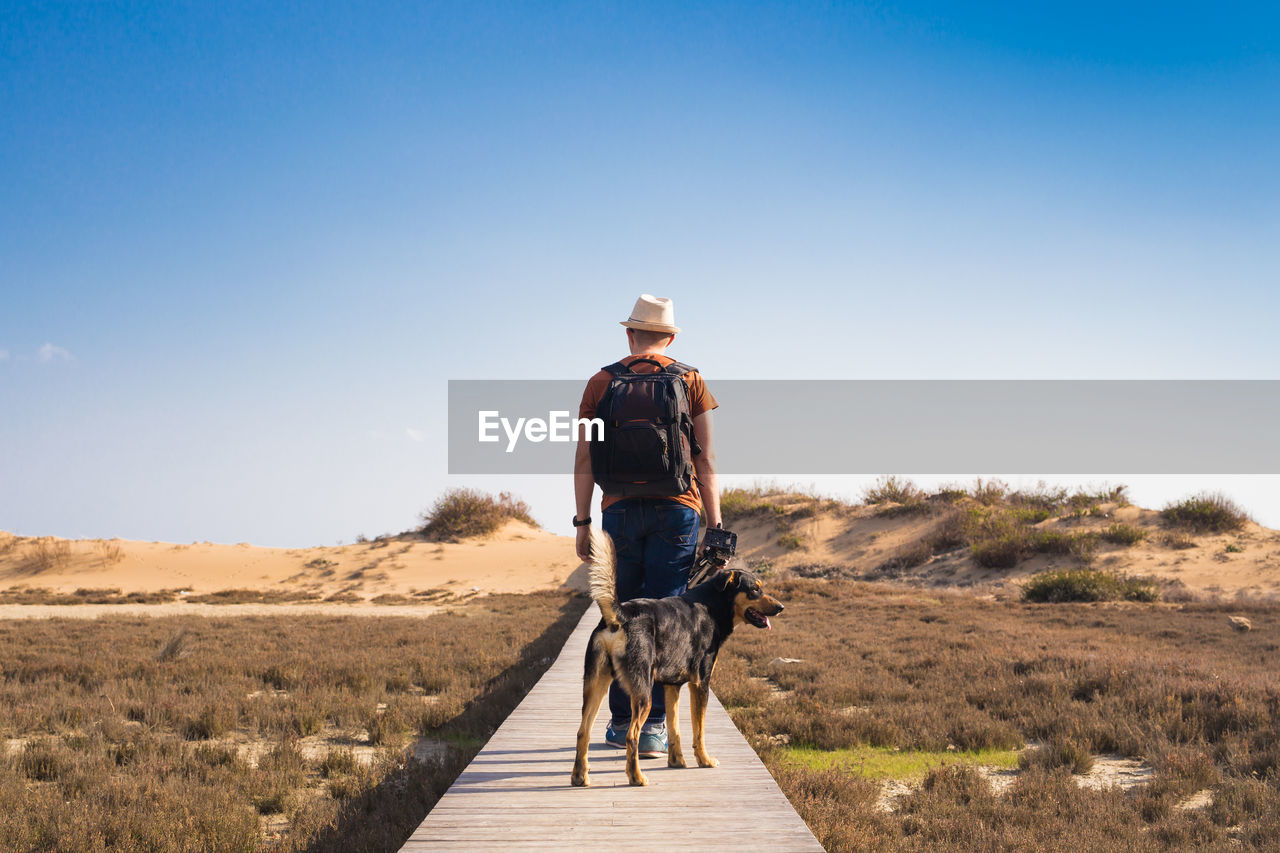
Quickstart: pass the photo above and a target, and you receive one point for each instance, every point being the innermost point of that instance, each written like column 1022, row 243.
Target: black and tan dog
column 668, row 641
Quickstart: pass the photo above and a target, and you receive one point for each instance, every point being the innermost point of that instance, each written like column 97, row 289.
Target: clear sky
column 243, row 246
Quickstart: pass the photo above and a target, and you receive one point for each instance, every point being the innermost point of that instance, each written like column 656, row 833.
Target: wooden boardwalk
column 515, row 794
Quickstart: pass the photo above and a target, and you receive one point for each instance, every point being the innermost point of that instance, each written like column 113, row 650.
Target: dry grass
column 253, row 596
column 112, row 595
column 109, row 552
column 1206, row 513
column 1001, row 528
column 917, row 673
column 464, row 513
column 782, row 506
column 191, row 728
column 892, row 489
column 46, row 554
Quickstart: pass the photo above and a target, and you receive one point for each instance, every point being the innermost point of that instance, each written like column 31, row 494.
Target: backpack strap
column 616, row 369
column 677, row 368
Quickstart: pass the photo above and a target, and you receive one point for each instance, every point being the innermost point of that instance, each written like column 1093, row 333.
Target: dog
column 669, row 641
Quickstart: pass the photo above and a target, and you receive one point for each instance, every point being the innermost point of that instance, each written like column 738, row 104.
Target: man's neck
column 650, row 352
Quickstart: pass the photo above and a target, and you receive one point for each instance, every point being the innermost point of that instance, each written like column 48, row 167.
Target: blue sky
column 243, row 246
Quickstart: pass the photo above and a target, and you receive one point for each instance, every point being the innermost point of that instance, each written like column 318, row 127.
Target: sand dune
column 857, row 540
column 519, row 558
column 851, row 540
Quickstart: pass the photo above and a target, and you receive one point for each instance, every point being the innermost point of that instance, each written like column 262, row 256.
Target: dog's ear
column 729, row 580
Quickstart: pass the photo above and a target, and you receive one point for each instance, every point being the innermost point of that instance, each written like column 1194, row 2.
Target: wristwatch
column 583, row 523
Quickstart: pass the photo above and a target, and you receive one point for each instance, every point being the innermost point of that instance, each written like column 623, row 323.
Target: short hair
column 647, row 339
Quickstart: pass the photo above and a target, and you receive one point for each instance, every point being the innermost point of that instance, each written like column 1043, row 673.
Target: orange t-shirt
column 700, row 401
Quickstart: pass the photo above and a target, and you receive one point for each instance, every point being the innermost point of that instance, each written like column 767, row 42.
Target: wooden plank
column 515, row 794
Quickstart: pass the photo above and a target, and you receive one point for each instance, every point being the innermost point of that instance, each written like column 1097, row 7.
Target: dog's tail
column 601, row 576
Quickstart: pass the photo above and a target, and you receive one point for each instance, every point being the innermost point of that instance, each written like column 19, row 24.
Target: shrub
column 1030, row 514
column 1123, row 534
column 1042, row 499
column 44, row 760
column 1237, row 800
column 741, row 503
column 1087, row 585
column 790, row 541
column 1078, row 545
column 388, row 727
column 1001, row 552
column 1083, row 501
column 47, row 553
column 214, row 720
column 336, row 762
column 950, row 532
column 1210, row 512
column 463, row 513
column 988, row 492
column 892, row 489
column 1059, row 752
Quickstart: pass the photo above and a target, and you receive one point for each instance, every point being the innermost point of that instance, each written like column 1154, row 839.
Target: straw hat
column 653, row 314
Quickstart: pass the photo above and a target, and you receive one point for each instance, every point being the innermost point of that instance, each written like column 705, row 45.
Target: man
column 655, row 536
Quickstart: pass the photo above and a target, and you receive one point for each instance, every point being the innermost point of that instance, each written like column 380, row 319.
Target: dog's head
column 750, row 603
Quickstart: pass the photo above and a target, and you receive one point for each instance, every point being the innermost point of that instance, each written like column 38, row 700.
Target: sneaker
column 653, row 740
column 616, row 734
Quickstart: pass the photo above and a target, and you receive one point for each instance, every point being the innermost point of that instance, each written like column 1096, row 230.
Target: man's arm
column 583, row 487
column 704, row 465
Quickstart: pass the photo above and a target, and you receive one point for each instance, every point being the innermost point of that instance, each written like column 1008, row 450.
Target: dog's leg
column 698, row 704
column 675, row 755
column 593, row 693
column 641, row 699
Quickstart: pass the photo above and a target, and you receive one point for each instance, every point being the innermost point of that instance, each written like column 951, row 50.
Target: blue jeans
column 655, row 540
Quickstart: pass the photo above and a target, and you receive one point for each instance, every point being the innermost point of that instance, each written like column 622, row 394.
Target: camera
column 719, row 545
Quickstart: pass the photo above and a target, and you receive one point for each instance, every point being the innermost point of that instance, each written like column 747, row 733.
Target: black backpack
column 648, row 444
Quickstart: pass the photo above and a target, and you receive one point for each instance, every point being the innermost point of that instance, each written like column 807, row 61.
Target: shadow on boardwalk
column 384, row 817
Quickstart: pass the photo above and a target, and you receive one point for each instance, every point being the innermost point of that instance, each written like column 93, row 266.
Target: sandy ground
column 179, row 608
column 517, row 559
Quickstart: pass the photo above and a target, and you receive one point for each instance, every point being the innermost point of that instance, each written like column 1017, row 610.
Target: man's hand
column 584, row 542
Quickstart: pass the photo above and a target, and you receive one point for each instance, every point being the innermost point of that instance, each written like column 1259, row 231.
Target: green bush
column 464, row 513
column 1124, row 534
column 1210, row 512
column 1030, row 514
column 1003, row 552
column 1078, row 545
column 1087, row 585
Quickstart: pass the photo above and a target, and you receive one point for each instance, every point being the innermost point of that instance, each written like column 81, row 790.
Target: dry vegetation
column 1211, row 512
column 188, row 733
column 985, row 532
column 884, row 680
column 463, row 513
column 112, row 595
